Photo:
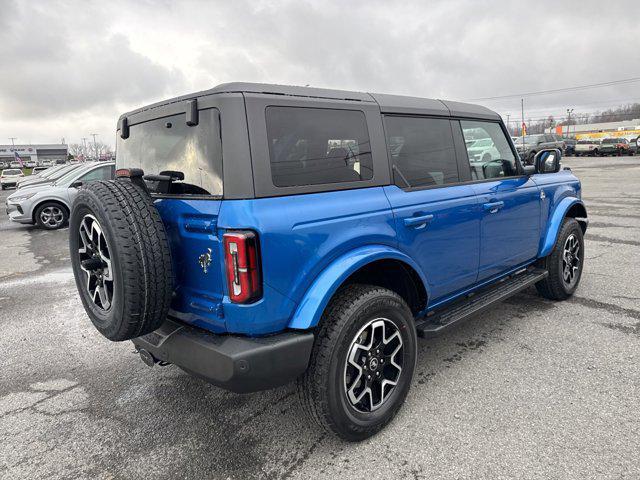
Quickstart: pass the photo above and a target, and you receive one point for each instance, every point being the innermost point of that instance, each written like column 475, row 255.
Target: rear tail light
column 242, row 264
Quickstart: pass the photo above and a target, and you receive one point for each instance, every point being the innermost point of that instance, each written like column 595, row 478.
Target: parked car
column 483, row 149
column 314, row 237
column 30, row 164
column 37, row 170
column 47, row 163
column 48, row 205
column 615, row 146
column 569, row 146
column 48, row 176
column 634, row 145
column 587, row 146
column 15, row 165
column 9, row 177
column 534, row 143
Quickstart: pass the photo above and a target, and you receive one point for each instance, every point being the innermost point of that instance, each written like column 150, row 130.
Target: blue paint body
column 457, row 238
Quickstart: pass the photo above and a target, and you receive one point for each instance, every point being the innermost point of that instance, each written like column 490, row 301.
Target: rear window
column 422, row 151
column 610, row 140
column 312, row 146
column 11, row 172
column 169, row 145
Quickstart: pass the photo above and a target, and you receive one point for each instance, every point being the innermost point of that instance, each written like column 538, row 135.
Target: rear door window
column 312, row 146
column 169, row 145
column 421, row 150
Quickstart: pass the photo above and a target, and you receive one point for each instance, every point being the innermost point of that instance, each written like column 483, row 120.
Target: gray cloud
column 59, row 67
column 82, row 63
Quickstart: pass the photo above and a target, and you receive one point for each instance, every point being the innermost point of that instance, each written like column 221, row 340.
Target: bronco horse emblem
column 205, row 260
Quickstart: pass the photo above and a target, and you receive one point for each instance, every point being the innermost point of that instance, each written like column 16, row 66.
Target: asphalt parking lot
column 532, row 389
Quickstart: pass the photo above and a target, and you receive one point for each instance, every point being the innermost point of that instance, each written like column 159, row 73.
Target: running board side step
column 476, row 302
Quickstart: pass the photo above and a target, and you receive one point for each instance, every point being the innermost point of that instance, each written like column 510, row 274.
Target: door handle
column 417, row 222
column 493, row 207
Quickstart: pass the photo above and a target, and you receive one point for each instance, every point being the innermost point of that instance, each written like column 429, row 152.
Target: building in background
column 57, row 153
column 629, row 129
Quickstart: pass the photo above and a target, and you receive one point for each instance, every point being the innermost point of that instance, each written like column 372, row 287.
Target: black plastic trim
column 237, row 363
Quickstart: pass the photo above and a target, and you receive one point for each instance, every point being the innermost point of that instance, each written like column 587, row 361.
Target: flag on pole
column 524, row 128
column 17, row 158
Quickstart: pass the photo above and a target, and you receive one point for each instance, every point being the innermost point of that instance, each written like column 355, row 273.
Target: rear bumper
column 239, row 364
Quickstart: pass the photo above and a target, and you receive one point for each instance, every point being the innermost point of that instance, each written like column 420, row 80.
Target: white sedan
column 9, row 177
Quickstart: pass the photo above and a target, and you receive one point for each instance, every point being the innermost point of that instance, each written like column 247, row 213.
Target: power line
column 559, row 90
column 606, row 104
column 560, row 117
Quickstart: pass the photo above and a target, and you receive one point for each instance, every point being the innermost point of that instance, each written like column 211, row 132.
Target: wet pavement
column 530, row 389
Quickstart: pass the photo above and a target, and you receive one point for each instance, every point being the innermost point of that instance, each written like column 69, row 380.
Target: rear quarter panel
column 300, row 235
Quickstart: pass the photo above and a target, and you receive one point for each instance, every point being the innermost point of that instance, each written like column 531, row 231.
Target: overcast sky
column 70, row 68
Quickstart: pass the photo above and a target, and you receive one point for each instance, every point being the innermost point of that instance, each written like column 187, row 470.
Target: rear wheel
column 564, row 264
column 362, row 362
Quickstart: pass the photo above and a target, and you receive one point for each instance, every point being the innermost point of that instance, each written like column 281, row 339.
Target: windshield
column 49, row 172
column 485, row 142
column 71, row 174
column 170, row 145
column 11, row 172
column 610, row 140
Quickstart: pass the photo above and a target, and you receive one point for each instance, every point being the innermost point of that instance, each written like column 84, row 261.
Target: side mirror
column 529, row 169
column 76, row 184
column 548, row 160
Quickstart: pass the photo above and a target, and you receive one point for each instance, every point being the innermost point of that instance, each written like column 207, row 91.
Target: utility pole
column 95, row 145
column 522, row 110
column 508, row 130
column 569, row 112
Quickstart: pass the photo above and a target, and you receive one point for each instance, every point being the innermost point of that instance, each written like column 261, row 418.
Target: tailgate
column 196, row 255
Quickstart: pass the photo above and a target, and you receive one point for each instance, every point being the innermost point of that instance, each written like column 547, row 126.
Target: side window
column 490, row 155
column 102, row 173
column 421, row 150
column 311, row 146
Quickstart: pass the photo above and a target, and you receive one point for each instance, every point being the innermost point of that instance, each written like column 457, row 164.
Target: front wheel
column 362, row 362
column 564, row 264
column 51, row 216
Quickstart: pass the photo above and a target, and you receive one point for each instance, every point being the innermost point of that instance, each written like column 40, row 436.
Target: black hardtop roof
column 388, row 103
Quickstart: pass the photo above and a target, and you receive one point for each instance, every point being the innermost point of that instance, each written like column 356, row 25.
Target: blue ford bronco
column 260, row 234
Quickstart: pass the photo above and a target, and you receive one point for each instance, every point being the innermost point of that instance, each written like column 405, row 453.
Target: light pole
column 95, row 145
column 569, row 112
column 508, row 115
column 12, row 140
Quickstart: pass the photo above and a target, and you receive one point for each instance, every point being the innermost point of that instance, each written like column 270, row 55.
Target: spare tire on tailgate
column 121, row 259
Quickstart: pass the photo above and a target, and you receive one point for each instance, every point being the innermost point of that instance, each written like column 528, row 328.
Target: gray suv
column 534, row 143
